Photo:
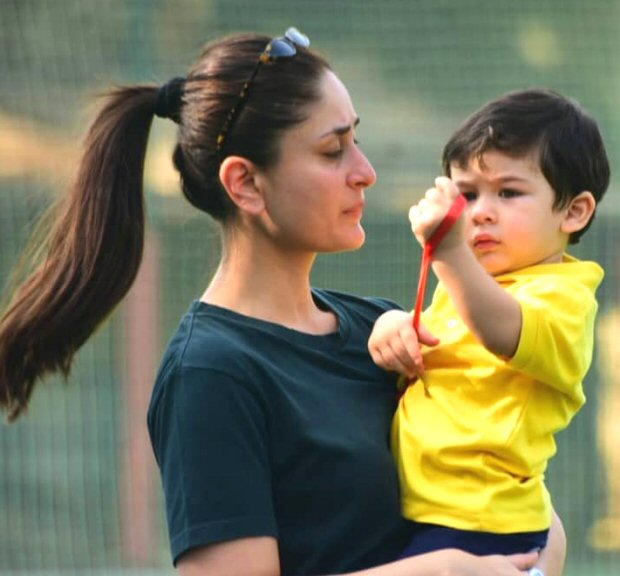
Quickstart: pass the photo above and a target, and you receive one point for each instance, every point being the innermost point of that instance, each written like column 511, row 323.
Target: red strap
column 429, row 247
column 422, row 279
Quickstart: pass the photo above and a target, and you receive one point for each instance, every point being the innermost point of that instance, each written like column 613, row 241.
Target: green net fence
column 79, row 491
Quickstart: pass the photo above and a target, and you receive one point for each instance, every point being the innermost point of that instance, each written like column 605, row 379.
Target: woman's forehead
column 332, row 114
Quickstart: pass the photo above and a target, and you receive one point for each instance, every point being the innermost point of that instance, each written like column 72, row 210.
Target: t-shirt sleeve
column 385, row 304
column 557, row 333
column 209, row 434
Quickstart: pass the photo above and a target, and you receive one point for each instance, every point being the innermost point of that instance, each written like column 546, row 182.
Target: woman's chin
column 355, row 242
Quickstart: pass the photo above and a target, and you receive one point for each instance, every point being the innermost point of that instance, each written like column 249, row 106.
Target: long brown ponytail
column 90, row 254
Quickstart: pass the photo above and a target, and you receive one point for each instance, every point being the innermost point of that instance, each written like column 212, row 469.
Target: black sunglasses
column 282, row 47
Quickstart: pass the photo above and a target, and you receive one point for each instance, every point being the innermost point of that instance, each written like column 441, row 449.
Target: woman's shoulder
column 371, row 306
column 214, row 344
column 206, row 357
column 207, row 338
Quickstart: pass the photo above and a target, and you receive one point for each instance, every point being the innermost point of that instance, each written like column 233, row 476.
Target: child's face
column 510, row 223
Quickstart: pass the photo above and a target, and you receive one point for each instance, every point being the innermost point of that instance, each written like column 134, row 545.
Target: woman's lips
column 357, row 210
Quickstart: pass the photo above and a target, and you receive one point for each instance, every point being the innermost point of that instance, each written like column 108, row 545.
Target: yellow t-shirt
column 472, row 452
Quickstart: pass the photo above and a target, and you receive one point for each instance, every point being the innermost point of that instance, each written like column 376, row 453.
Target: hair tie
column 169, row 99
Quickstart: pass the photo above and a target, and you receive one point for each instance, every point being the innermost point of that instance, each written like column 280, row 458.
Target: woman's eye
column 334, row 153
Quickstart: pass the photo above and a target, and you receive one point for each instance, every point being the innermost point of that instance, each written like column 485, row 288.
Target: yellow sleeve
column 557, row 332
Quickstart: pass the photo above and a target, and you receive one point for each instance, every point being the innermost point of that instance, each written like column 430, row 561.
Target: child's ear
column 578, row 213
column 238, row 176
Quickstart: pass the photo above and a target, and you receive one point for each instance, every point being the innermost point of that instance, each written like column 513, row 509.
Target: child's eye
column 509, row 193
column 470, row 196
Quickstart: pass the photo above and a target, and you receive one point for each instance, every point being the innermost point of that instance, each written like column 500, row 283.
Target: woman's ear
column 238, row 176
column 579, row 212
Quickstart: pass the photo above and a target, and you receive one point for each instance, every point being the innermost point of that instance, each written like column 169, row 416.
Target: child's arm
column 394, row 344
column 477, row 297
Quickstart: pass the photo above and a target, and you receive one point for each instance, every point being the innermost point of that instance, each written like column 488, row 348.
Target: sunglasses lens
column 296, row 37
column 280, row 48
column 283, row 47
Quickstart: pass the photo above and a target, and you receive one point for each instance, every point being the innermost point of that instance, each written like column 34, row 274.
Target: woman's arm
column 452, row 562
column 259, row 557
column 242, row 557
column 552, row 557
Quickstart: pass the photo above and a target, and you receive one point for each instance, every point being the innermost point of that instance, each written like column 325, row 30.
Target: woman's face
column 314, row 195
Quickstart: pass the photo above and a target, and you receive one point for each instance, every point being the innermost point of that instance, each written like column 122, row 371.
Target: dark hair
column 92, row 249
column 278, row 99
column 567, row 139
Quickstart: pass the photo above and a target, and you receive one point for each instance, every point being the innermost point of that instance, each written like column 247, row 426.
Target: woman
column 268, row 419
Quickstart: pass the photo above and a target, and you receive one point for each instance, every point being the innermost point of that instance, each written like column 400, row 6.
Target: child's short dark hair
column 571, row 150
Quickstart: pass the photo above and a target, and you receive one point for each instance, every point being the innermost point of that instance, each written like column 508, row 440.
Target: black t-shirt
column 260, row 430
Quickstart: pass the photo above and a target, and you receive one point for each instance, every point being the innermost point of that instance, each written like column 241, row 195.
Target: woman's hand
column 259, row 557
column 395, row 346
column 451, row 562
column 496, row 565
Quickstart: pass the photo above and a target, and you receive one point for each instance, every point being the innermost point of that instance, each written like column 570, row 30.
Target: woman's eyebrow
column 340, row 130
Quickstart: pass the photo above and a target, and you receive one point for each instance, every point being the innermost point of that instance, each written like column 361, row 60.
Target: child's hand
column 428, row 213
column 395, row 346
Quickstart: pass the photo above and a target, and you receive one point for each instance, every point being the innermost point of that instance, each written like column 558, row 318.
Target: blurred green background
column 79, row 491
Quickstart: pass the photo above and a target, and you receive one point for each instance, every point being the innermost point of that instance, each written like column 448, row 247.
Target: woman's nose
column 362, row 175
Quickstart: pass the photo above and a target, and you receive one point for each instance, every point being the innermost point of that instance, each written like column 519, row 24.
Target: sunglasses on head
column 281, row 47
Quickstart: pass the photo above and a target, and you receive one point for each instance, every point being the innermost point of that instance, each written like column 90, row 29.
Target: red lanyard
column 429, row 247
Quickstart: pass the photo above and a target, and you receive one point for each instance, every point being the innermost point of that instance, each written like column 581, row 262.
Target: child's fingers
column 426, row 337
column 424, row 218
column 393, row 356
column 388, row 360
column 414, row 214
column 407, row 350
column 427, row 214
column 446, row 188
column 384, row 358
column 433, row 196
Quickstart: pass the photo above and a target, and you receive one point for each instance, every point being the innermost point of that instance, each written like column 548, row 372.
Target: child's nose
column 482, row 209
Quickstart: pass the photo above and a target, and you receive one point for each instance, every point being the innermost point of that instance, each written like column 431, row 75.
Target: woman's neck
column 269, row 285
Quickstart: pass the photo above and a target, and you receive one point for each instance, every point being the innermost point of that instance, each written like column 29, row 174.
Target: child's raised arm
column 492, row 314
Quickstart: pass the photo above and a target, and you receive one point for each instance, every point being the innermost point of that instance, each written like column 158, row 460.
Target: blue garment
column 430, row 537
column 260, row 430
